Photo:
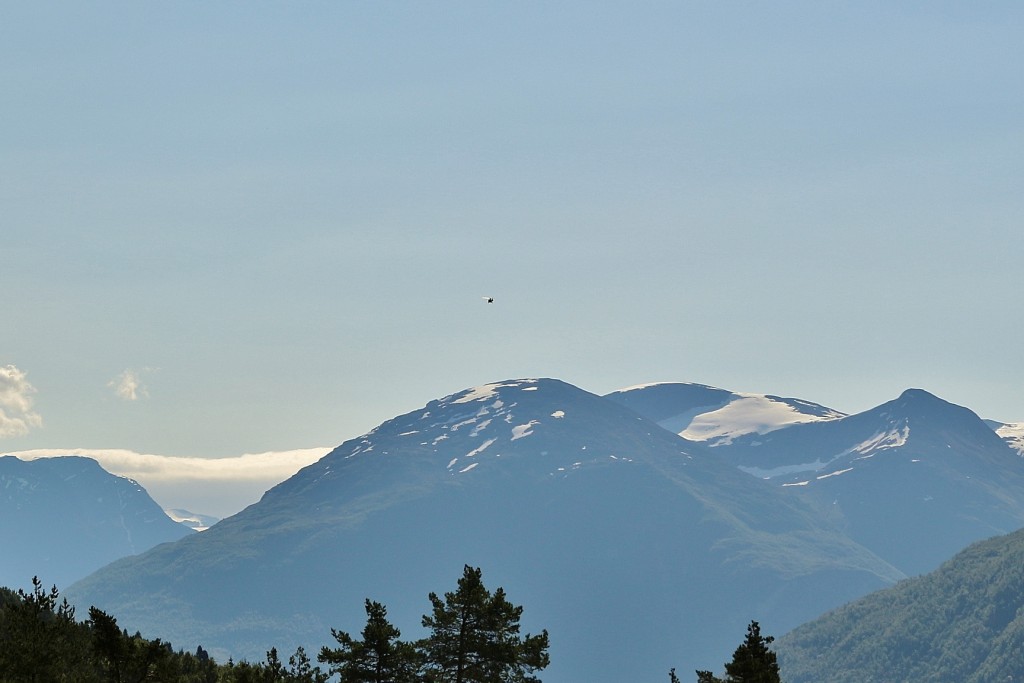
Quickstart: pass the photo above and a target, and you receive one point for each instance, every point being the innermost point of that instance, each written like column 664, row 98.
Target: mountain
column 1012, row 433
column 915, row 479
column 702, row 413
column 63, row 518
column 192, row 520
column 963, row 623
column 638, row 550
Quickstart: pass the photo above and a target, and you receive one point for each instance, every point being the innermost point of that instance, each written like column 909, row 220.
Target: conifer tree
column 474, row 637
column 380, row 657
column 753, row 661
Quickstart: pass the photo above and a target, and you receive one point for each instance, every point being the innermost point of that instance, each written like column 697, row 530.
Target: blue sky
column 247, row 227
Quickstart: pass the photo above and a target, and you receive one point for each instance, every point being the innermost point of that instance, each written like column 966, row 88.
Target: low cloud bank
column 274, row 465
column 215, row 486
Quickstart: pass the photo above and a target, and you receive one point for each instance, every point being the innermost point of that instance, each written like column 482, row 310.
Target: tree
column 126, row 659
column 706, row 677
column 39, row 638
column 380, row 657
column 301, row 669
column 752, row 662
column 474, row 637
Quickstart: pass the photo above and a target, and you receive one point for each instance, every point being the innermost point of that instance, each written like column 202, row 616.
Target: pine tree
column 380, row 657
column 474, row 637
column 753, row 661
column 39, row 638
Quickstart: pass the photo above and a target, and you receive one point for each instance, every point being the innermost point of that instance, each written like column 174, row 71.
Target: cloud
column 214, row 486
column 275, row 466
column 16, row 415
column 128, row 385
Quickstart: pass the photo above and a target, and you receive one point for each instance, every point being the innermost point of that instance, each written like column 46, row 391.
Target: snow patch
column 747, row 414
column 836, row 473
column 455, row 427
column 520, row 431
column 468, row 468
column 1013, row 434
column 452, row 462
column 486, row 391
column 785, row 469
column 479, row 449
column 882, row 441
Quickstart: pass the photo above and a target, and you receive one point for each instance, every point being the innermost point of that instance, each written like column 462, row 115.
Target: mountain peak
column 913, row 394
column 917, row 405
column 66, row 516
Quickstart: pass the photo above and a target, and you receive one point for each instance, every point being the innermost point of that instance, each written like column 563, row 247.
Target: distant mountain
column 914, row 480
column 636, row 549
column 716, row 416
column 1012, row 433
column 192, row 520
column 63, row 518
column 963, row 623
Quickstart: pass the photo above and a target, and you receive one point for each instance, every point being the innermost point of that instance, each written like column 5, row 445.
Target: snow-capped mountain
column 702, row 413
column 583, row 510
column 915, row 479
column 192, row 520
column 1012, row 433
column 63, row 518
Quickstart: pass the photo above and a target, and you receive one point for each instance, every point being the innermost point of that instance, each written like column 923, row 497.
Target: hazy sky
column 248, row 227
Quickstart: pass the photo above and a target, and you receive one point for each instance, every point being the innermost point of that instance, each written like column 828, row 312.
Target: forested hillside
column 962, row 623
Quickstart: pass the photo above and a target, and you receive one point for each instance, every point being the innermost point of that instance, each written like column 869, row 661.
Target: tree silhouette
column 474, row 637
column 752, row 662
column 380, row 657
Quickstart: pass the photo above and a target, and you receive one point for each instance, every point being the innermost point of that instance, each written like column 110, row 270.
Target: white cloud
column 272, row 466
column 215, row 486
column 128, row 385
column 16, row 415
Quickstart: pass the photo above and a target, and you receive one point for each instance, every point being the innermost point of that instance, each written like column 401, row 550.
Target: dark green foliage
column 39, row 637
column 707, row 677
column 474, row 637
column 40, row 641
column 752, row 662
column 380, row 657
column 124, row 658
column 962, row 623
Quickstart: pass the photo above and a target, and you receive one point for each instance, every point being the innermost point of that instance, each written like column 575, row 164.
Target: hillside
column 963, row 623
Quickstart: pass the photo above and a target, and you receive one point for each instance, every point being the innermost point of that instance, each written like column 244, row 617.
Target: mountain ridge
column 585, row 511
column 64, row 518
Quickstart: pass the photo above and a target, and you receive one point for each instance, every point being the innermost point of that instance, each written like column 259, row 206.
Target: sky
column 256, row 228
